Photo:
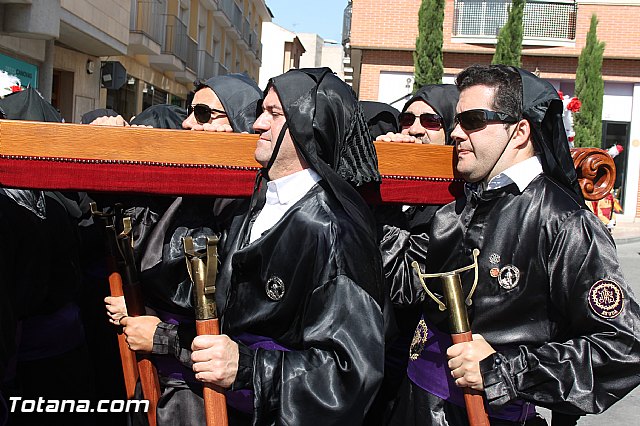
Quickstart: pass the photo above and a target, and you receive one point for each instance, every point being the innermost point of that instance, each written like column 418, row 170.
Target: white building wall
column 633, row 161
column 333, row 57
column 617, row 102
column 312, row 57
column 273, row 39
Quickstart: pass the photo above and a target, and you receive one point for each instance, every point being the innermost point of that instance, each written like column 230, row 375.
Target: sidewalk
column 626, row 232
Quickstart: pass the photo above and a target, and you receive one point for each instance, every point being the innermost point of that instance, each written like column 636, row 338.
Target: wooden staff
column 203, row 275
column 461, row 332
column 132, row 291
column 127, row 357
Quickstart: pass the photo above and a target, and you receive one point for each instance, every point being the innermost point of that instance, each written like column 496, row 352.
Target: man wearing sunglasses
column 556, row 322
column 223, row 104
column 427, row 117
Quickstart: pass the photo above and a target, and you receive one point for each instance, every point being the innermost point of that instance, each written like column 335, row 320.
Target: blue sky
column 323, row 17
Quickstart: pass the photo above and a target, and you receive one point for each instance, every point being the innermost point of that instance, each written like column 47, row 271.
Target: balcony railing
column 220, row 69
column 192, row 54
column 236, row 17
column 246, row 31
column 176, row 37
column 254, row 43
column 205, row 64
column 226, row 7
column 542, row 19
column 346, row 24
column 148, row 18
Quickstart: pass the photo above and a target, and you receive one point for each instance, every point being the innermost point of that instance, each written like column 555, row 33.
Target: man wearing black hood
column 427, row 117
column 557, row 324
column 46, row 356
column 223, row 103
column 300, row 288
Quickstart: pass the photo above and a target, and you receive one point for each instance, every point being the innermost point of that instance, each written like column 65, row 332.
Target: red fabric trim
column 168, row 180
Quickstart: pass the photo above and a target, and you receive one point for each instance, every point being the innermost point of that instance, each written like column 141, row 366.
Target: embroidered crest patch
column 508, row 277
column 275, row 288
column 606, row 299
column 419, row 340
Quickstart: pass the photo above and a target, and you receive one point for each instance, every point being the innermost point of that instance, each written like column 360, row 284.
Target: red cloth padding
column 184, row 180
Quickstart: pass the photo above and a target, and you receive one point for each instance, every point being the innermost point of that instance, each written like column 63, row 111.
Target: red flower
column 560, row 94
column 15, row 89
column 574, row 105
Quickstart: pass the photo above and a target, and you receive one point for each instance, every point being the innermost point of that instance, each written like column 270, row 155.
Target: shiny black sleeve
column 335, row 378
column 399, row 249
column 594, row 358
column 173, row 340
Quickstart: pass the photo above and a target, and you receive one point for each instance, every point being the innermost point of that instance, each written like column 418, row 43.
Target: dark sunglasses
column 428, row 121
column 203, row 112
column 477, row 119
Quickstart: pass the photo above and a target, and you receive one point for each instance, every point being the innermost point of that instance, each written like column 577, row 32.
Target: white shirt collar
column 282, row 194
column 521, row 174
column 289, row 189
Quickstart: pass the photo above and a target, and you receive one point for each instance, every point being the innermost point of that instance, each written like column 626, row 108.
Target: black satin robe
column 554, row 350
column 331, row 324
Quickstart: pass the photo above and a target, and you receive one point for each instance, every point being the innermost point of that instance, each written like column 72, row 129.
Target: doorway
column 617, row 133
column 62, row 94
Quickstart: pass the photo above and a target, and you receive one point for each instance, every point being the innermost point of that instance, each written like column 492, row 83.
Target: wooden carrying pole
column 127, row 356
column 461, row 332
column 203, row 268
column 174, row 162
column 135, row 307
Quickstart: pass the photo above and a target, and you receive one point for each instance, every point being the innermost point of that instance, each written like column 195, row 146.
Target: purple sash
column 431, row 373
column 242, row 399
column 168, row 365
column 44, row 336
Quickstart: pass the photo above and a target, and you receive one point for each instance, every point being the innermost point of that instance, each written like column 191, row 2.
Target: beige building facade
column 127, row 54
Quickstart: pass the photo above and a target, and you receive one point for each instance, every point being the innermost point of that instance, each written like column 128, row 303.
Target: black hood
column 88, row 117
column 542, row 107
column 239, row 96
column 443, row 98
column 329, row 129
column 29, row 105
column 162, row 116
column 327, row 124
column 381, row 118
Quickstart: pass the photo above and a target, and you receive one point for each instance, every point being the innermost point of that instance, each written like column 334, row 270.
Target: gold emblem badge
column 419, row 340
column 606, row 299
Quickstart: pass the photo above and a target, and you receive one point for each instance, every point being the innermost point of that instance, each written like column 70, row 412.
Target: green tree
column 427, row 58
column 509, row 46
column 590, row 90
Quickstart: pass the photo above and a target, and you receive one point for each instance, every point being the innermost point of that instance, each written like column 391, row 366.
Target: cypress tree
column 427, row 58
column 590, row 90
column 509, row 46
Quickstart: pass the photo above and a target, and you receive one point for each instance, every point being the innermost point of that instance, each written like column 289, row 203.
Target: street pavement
column 625, row 412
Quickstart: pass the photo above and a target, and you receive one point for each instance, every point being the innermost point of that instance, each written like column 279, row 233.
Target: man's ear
column 522, row 133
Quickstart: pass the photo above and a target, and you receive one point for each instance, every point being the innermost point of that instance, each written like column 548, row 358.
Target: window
column 552, row 19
